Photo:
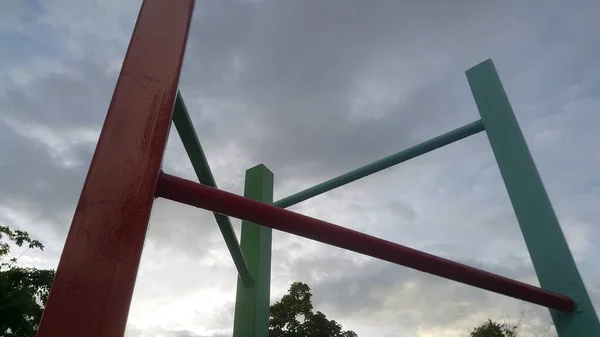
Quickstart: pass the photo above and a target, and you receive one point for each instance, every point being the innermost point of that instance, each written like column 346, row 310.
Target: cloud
column 166, row 333
column 314, row 89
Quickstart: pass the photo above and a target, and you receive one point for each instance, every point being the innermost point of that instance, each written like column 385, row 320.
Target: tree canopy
column 293, row 316
column 23, row 290
column 494, row 329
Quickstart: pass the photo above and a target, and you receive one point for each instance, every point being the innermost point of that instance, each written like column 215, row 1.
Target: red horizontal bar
column 192, row 193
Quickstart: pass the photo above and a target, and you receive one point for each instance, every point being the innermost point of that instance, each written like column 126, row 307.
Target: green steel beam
column 552, row 259
column 185, row 128
column 252, row 303
column 382, row 164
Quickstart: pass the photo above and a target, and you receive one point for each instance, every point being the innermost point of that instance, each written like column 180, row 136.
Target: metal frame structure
column 94, row 282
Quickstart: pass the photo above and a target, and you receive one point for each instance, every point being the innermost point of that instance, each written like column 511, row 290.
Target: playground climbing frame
column 93, row 286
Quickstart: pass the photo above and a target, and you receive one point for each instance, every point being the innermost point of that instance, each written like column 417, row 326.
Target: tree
column 23, row 290
column 493, row 329
column 293, row 316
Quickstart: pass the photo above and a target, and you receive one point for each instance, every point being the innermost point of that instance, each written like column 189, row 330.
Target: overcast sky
column 313, row 89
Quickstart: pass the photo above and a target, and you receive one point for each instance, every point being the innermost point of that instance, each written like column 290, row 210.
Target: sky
column 313, row 89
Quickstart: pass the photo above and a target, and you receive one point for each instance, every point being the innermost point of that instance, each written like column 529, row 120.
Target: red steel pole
column 94, row 281
column 192, row 193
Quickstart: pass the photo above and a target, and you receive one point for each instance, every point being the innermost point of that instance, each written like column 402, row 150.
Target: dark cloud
column 381, row 294
column 33, row 179
column 303, row 93
column 313, row 89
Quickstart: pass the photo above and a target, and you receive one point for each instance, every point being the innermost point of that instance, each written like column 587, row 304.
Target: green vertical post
column 552, row 259
column 252, row 302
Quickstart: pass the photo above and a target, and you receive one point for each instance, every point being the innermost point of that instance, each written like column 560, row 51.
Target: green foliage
column 493, row 329
column 18, row 238
column 293, row 316
column 23, row 290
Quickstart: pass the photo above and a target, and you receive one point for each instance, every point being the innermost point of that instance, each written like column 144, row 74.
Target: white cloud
column 313, row 89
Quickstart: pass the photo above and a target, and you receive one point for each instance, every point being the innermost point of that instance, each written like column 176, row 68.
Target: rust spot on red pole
column 94, row 281
column 192, row 193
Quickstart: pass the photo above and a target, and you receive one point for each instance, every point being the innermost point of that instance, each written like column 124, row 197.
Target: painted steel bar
column 192, row 193
column 94, row 281
column 252, row 303
column 550, row 254
column 382, row 164
column 191, row 143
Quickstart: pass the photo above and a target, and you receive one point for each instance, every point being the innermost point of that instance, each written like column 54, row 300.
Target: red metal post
column 192, row 193
column 94, row 281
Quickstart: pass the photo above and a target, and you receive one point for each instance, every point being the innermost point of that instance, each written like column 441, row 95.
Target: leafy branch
column 23, row 290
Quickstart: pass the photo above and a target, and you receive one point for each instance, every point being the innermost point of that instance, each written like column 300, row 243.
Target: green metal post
column 382, row 164
column 252, row 302
column 187, row 133
column 552, row 260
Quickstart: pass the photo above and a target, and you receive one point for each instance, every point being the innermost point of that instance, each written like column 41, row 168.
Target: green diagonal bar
column 187, row 133
column 382, row 164
column 550, row 254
